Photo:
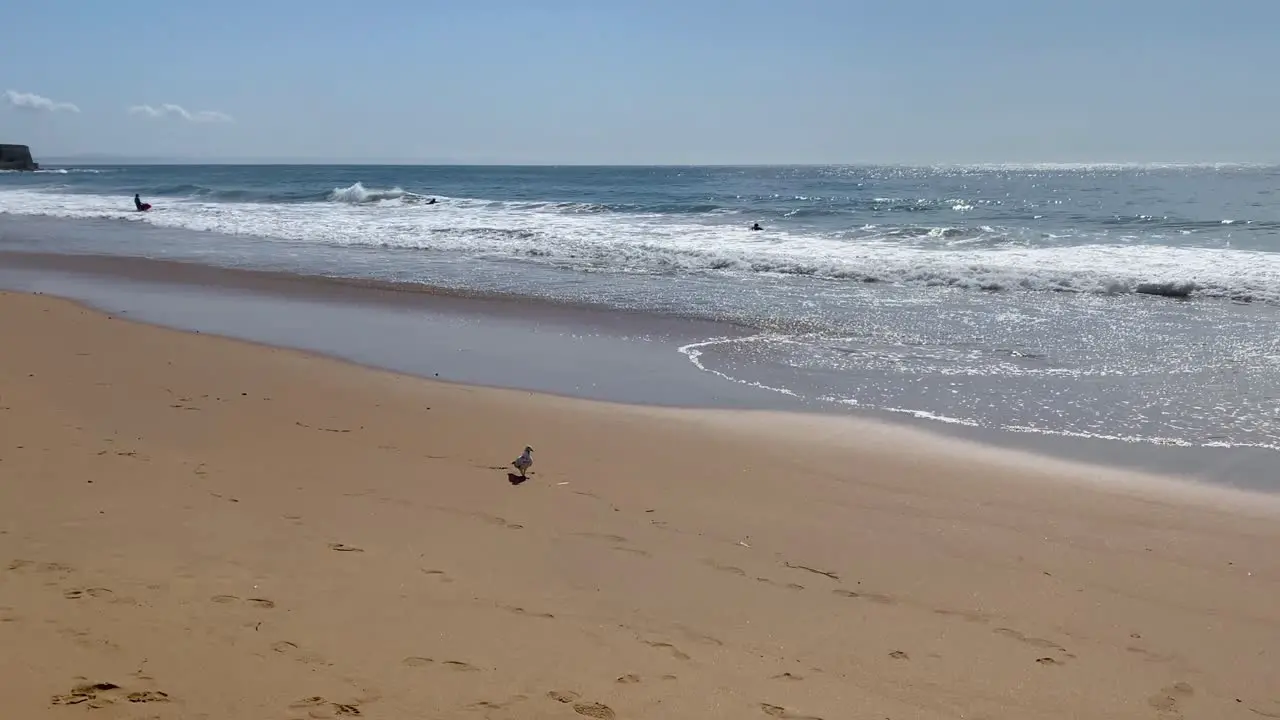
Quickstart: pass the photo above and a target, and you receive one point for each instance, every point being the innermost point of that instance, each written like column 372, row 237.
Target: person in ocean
column 756, row 227
column 137, row 202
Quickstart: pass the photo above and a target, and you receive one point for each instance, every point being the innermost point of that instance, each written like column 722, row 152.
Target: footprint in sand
column 628, row 679
column 631, row 550
column 1151, row 656
column 775, row 583
column 783, row 713
column 675, row 651
column 899, row 655
column 318, row 707
column 86, row 638
column 698, row 636
column 790, row 677
column 969, row 615
column 873, row 597
column 732, row 570
column 1034, row 642
column 260, row 603
column 1165, row 702
column 419, row 661
column 489, row 705
column 587, row 709
column 340, row 547
column 879, row 598
column 147, row 696
column 596, row 710
column 607, row 537
column 521, row 611
column 93, row 592
column 101, row 694
column 58, row 568
column 499, row 521
column 285, row 647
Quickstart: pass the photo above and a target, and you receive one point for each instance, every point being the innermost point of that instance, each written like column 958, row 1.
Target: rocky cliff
column 16, row 157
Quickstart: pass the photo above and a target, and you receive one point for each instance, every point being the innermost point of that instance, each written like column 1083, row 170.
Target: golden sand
column 195, row 527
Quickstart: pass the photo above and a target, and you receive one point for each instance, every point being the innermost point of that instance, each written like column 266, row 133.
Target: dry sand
column 204, row 528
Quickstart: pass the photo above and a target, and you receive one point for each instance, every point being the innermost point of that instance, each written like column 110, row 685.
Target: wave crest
column 581, row 238
column 358, row 194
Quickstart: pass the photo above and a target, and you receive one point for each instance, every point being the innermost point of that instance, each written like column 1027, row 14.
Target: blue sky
column 607, row 81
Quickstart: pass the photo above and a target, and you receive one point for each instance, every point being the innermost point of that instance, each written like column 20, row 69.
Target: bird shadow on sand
column 515, row 479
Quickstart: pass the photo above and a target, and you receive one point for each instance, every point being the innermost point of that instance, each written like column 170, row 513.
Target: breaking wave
column 357, row 194
column 594, row 237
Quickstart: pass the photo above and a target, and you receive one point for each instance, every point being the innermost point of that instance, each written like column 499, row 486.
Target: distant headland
column 17, row 157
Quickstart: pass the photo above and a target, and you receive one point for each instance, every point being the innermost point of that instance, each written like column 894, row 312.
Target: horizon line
column 279, row 162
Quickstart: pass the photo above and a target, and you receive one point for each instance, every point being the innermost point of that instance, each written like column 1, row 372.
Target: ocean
column 1132, row 303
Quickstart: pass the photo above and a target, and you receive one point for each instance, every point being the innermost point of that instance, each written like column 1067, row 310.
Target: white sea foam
column 1097, row 166
column 587, row 237
column 357, row 193
column 58, row 171
column 694, row 352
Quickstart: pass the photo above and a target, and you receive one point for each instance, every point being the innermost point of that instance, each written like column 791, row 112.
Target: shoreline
column 582, row 351
column 310, row 286
column 209, row 526
column 756, row 422
column 749, row 418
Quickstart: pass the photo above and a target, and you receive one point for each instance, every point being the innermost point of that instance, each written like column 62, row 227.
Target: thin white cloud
column 169, row 110
column 38, row 103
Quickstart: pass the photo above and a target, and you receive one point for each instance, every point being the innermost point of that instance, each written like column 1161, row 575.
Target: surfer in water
column 756, row 227
column 137, row 202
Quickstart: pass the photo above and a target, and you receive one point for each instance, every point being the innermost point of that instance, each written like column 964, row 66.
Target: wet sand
column 526, row 343
column 193, row 526
column 518, row 343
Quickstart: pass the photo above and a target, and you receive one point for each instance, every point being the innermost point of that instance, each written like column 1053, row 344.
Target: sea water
column 1136, row 303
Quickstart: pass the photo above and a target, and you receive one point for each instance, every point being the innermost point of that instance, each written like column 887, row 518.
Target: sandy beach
column 198, row 527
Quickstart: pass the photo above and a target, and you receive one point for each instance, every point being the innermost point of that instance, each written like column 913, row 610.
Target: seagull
column 525, row 461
